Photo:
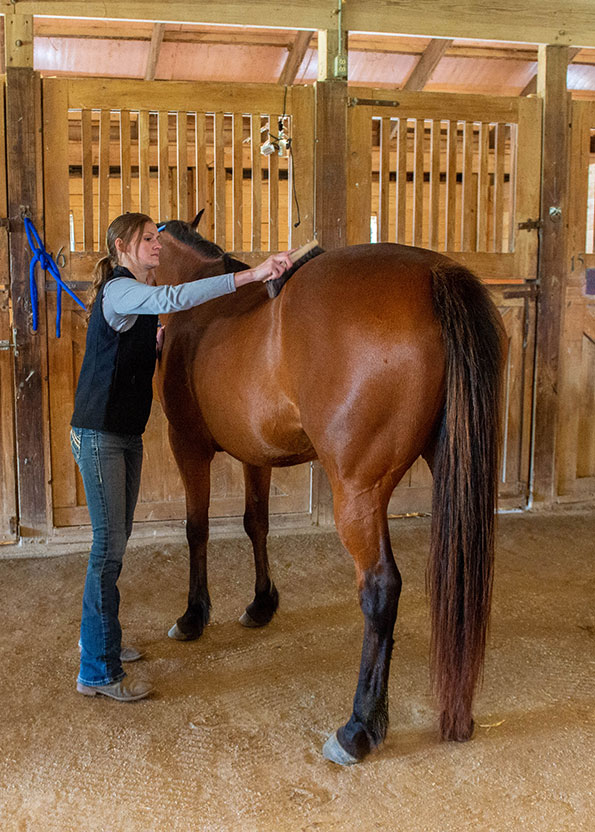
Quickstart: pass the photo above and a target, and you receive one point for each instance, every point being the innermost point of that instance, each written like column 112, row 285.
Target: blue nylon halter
column 47, row 263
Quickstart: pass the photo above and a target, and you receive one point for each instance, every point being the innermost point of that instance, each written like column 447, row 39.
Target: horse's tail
column 464, row 498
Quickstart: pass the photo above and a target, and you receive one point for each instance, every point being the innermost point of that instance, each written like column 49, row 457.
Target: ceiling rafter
column 295, row 57
column 154, row 49
column 424, row 68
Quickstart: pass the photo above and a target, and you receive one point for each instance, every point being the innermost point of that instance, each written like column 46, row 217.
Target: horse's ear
column 196, row 220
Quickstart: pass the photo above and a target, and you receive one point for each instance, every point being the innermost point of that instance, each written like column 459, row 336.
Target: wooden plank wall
column 452, row 173
column 457, row 174
column 168, row 159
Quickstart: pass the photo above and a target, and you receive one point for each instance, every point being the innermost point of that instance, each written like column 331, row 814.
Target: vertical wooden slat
column 527, row 195
column 144, row 161
column 163, row 168
column 204, row 173
column 468, row 203
column 402, row 182
column 434, row 236
column 359, row 186
column 451, row 186
column 87, row 171
column 482, row 188
column 219, row 181
column 125, row 195
column 302, row 165
column 511, row 189
column 418, row 183
column 273, row 162
column 182, row 157
column 255, row 121
column 384, row 180
column 500, row 136
column 104, row 146
column 238, row 182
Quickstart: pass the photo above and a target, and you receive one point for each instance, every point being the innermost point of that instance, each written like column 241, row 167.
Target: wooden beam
column 424, row 68
column 23, row 151
column 296, row 55
column 531, row 87
column 570, row 23
column 551, row 87
column 330, row 227
column 296, row 14
column 154, row 49
column 18, row 39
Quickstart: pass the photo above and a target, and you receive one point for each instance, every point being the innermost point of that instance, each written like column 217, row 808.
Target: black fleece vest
column 115, row 389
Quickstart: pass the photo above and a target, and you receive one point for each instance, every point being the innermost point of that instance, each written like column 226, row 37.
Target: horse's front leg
column 361, row 521
column 256, row 523
column 194, row 463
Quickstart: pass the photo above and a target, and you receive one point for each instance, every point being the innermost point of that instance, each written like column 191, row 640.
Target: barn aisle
column 231, row 739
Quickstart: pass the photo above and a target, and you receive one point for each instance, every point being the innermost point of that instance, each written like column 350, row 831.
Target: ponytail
column 101, row 274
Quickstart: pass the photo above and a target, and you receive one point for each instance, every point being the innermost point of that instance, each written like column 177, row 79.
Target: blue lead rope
column 48, row 264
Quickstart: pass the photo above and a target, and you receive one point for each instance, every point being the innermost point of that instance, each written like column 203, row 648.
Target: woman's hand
column 273, row 266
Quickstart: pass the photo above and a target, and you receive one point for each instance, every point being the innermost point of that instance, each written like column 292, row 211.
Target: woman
column 112, row 405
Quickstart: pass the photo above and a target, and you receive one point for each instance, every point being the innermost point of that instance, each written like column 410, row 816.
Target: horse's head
column 187, row 255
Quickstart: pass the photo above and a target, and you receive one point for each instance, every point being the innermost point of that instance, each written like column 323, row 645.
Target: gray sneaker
column 125, row 690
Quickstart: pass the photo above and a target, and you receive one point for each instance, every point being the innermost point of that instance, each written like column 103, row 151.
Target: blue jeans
column 110, row 465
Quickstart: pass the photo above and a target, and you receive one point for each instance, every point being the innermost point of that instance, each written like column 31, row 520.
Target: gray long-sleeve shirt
column 125, row 298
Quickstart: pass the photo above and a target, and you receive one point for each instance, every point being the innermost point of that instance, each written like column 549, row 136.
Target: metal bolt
column 555, row 212
column 18, row 43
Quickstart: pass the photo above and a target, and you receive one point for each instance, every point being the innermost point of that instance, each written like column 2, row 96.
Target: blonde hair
column 125, row 227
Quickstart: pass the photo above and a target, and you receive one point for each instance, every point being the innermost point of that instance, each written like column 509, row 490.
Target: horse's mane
column 184, row 232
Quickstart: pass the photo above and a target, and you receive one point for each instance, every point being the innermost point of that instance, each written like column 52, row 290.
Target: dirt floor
column 231, row 739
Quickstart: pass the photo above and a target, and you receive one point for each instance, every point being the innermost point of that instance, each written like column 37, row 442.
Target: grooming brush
column 298, row 257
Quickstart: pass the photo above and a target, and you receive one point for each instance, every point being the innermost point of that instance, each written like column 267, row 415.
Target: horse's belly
column 254, row 423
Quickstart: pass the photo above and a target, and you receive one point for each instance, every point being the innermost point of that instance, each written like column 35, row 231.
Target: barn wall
column 446, row 172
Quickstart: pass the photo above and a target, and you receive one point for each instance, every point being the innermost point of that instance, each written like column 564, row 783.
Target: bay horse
column 371, row 356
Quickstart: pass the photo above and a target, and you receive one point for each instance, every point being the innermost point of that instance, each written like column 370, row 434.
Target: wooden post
column 330, row 188
column 551, row 87
column 23, row 153
column 331, row 140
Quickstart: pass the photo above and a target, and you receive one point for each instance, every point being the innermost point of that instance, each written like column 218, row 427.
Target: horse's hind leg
column 256, row 524
column 194, row 462
column 361, row 521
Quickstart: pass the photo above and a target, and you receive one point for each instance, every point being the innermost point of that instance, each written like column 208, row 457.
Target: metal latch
column 10, row 345
column 530, row 225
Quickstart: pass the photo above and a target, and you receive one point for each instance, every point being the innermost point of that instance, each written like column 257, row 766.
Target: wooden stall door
column 576, row 438
column 8, row 502
column 167, row 149
column 458, row 174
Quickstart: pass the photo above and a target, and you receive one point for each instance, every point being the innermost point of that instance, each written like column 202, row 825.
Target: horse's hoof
column 246, row 620
column 334, row 751
column 178, row 635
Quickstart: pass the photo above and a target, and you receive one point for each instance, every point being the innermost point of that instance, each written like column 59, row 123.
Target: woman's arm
column 125, row 296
